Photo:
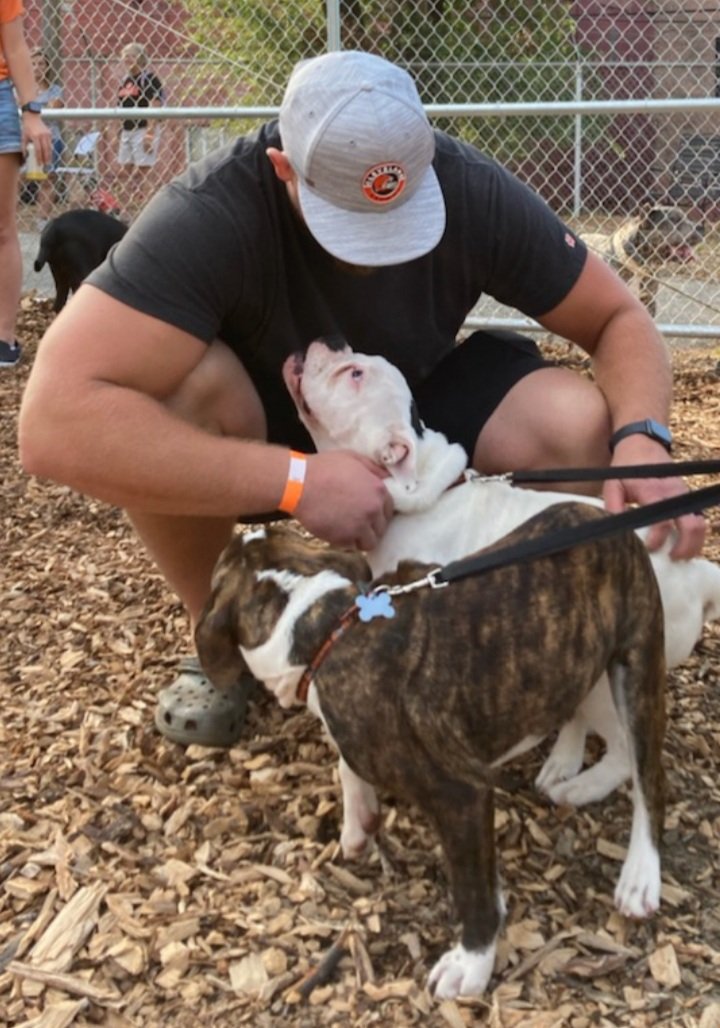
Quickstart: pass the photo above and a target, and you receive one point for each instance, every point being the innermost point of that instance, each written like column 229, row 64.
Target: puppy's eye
column 356, row 373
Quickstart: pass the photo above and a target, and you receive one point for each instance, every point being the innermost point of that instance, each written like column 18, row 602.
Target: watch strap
column 660, row 433
column 32, row 106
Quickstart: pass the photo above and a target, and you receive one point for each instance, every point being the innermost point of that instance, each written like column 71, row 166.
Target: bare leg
column 551, row 418
column 10, row 256
column 220, row 397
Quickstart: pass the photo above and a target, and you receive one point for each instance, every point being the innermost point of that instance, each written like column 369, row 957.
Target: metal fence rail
column 603, row 109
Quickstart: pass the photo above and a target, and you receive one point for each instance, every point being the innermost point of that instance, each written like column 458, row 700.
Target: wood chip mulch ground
column 142, row 884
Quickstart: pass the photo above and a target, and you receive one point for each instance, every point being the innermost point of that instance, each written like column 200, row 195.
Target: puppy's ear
column 335, row 341
column 217, row 641
column 416, row 421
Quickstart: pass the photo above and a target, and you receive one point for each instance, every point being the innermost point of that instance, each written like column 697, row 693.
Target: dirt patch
column 144, row 885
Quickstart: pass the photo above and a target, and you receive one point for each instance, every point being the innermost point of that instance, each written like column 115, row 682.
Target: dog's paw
column 462, row 972
column 556, row 770
column 637, row 893
column 354, row 841
column 592, row 785
column 566, row 756
column 357, row 834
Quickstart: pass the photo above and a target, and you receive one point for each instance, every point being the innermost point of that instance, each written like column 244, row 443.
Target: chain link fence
column 605, row 109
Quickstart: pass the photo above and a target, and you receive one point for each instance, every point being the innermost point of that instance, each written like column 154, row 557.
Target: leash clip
column 430, row 579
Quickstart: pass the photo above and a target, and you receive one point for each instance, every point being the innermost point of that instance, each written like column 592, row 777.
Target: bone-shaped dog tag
column 377, row 605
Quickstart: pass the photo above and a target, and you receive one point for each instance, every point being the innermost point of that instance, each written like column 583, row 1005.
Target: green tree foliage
column 458, row 52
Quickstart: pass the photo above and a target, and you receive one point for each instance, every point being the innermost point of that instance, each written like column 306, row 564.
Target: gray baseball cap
column 354, row 130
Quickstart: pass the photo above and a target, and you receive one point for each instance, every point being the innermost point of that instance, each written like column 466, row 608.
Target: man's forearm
column 155, row 462
column 632, row 367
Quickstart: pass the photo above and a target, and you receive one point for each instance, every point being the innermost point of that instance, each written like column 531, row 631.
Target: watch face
column 660, row 432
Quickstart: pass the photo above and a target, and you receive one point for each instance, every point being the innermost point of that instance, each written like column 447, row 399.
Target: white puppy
column 355, row 401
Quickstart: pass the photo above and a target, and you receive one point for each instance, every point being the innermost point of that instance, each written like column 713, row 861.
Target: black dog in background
column 73, row 244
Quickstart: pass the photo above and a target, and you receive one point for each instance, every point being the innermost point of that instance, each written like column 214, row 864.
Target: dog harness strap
column 295, row 483
column 611, row 524
column 347, row 619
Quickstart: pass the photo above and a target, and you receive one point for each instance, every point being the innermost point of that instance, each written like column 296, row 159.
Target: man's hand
column 689, row 529
column 344, row 500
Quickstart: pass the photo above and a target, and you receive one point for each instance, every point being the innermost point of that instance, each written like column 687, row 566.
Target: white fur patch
column 637, row 893
column 528, row 743
column 269, row 662
column 254, row 533
column 462, row 972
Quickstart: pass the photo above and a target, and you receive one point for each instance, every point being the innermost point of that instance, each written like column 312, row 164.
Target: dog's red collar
column 346, row 619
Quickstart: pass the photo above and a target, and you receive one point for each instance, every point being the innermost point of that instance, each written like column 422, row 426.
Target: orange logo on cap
column 384, row 182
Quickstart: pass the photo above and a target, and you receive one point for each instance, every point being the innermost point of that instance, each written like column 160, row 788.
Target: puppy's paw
column 566, row 756
column 592, row 785
column 357, row 834
column 637, row 893
column 354, row 842
column 462, row 972
column 556, row 770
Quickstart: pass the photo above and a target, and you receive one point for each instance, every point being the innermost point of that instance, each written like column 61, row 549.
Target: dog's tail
column 42, row 254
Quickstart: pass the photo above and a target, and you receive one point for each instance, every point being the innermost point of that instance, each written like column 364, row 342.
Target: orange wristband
column 295, row 482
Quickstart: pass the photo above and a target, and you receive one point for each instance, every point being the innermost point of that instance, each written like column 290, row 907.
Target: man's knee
column 219, row 396
column 552, row 417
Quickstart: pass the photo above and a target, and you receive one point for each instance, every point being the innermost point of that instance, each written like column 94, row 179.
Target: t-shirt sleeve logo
column 384, row 182
column 570, row 239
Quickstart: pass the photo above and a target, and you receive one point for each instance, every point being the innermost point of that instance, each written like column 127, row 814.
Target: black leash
column 663, row 510
column 665, row 470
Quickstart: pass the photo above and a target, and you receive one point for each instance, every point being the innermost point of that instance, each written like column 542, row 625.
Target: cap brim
column 377, row 238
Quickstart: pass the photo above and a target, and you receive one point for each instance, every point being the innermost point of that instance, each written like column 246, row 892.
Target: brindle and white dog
column 429, row 702
column 645, row 244
column 360, row 402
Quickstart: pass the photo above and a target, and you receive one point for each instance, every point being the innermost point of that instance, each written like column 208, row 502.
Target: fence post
column 577, row 149
column 332, row 8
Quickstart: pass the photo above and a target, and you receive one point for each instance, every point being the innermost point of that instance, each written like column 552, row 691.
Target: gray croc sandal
column 192, row 710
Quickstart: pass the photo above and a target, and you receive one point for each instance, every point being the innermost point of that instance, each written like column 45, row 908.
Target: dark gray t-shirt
column 220, row 253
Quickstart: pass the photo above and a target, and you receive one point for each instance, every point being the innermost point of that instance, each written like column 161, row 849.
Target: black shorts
column 457, row 398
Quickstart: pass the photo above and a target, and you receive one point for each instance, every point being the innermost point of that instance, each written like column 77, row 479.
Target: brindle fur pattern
column 243, row 611
column 423, row 704
column 646, row 243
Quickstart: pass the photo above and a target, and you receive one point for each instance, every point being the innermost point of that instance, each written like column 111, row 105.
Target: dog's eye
column 356, row 373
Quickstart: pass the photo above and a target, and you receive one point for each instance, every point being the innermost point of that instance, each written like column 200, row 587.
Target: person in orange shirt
column 17, row 87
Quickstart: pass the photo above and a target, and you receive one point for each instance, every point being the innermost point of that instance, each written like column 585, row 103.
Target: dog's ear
column 416, row 421
column 334, row 341
column 217, row 641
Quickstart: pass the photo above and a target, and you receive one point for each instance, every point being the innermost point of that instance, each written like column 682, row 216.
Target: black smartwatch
column 32, row 106
column 653, row 429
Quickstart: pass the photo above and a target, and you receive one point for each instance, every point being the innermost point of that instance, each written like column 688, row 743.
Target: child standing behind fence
column 50, row 95
column 139, row 138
